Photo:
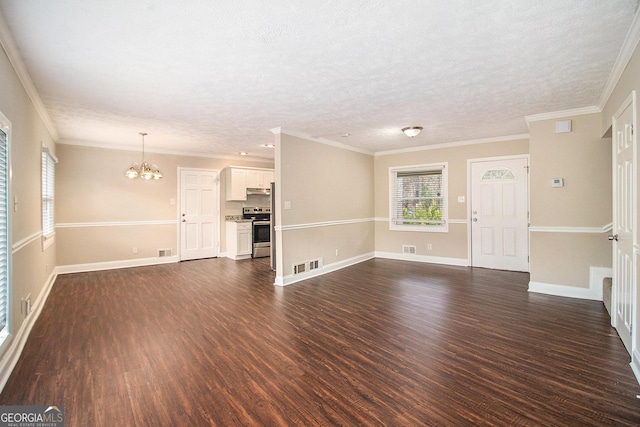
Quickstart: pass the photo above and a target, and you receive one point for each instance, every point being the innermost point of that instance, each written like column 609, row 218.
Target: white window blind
column 4, row 234
column 48, row 193
column 418, row 198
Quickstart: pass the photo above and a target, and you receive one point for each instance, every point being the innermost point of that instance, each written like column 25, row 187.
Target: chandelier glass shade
column 144, row 169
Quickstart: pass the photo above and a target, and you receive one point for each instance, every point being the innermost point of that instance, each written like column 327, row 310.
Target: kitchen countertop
column 235, row 218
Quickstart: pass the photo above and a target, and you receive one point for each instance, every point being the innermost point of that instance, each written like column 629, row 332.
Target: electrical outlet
column 134, row 250
column 429, row 247
column 337, row 252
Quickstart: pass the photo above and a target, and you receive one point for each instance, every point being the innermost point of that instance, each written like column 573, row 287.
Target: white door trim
column 629, row 336
column 179, row 205
column 469, row 192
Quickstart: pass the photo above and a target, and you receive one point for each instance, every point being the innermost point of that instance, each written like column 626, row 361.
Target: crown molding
column 11, row 49
column 624, row 56
column 593, row 109
column 279, row 130
column 77, row 143
column 455, row 144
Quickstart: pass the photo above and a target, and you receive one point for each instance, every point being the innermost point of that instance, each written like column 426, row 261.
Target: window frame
column 427, row 168
column 48, row 162
column 7, row 330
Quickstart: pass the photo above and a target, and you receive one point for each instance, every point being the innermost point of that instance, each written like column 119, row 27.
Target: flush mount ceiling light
column 143, row 170
column 412, row 131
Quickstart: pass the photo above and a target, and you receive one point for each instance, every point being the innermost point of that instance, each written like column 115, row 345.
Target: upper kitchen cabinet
column 238, row 179
column 259, row 178
column 236, row 184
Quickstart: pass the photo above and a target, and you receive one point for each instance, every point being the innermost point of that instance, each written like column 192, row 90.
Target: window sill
column 48, row 240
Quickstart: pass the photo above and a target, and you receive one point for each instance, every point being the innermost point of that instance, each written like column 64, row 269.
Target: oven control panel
column 260, row 210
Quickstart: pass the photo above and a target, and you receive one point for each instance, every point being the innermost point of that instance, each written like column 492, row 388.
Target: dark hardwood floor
column 213, row 342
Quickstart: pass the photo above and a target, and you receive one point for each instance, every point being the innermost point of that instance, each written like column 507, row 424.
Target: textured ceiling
column 212, row 77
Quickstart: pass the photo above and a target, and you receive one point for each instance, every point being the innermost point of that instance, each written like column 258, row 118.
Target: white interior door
column 624, row 210
column 199, row 214
column 499, row 214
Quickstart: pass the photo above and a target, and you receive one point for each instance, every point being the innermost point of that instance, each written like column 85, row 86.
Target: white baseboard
column 288, row 280
column 19, row 339
column 594, row 292
column 424, row 258
column 564, row 291
column 237, row 257
column 635, row 364
column 112, row 265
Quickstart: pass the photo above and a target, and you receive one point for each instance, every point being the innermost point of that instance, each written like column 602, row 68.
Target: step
column 606, row 293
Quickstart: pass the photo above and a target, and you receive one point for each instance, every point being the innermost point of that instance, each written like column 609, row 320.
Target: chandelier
column 144, row 170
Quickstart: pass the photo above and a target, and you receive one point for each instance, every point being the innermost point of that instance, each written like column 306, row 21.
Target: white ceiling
column 213, row 77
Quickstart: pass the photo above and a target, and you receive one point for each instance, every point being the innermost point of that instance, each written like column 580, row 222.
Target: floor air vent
column 307, row 266
column 408, row 249
column 299, row 268
column 164, row 252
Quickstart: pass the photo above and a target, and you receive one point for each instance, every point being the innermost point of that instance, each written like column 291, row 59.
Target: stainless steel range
column 261, row 229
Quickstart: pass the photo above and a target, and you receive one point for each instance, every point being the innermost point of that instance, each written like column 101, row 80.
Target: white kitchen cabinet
column 238, row 179
column 259, row 178
column 239, row 240
column 254, row 178
column 236, row 185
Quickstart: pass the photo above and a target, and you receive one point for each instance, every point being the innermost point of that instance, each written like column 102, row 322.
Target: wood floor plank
column 213, row 342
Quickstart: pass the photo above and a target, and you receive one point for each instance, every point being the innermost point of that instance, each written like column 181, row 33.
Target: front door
column 199, row 214
column 499, row 213
column 623, row 290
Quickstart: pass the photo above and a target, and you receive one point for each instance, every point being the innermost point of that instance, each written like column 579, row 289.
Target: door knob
column 184, row 220
column 475, row 219
column 184, row 214
column 613, row 237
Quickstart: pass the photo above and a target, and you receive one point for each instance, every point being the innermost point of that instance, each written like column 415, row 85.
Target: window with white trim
column 418, row 198
column 5, row 216
column 48, row 196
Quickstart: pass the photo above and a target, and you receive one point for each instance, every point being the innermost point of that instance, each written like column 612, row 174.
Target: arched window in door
column 500, row 173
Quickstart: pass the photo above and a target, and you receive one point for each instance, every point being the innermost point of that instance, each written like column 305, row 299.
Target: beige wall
column 91, row 190
column 445, row 245
column 583, row 160
column 31, row 265
column 323, row 184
